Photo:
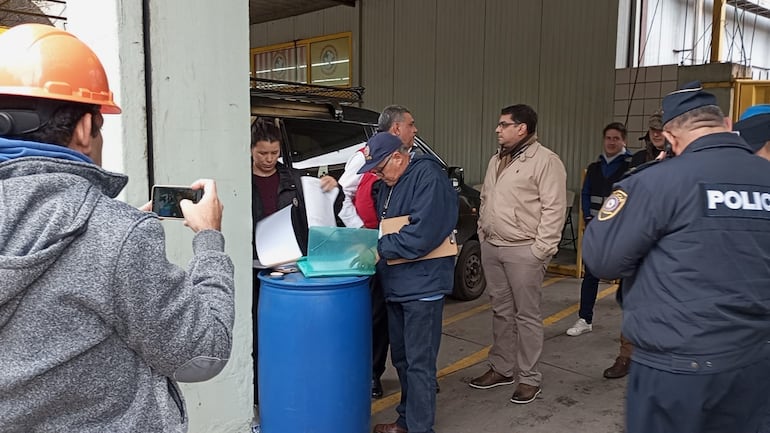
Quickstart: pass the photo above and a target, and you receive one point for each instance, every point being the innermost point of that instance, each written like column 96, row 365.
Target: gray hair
column 706, row 116
column 390, row 115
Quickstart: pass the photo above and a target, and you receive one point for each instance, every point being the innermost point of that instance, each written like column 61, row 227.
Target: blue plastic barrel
column 315, row 354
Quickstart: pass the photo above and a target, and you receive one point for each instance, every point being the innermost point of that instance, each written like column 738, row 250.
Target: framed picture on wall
column 325, row 60
column 330, row 62
column 285, row 64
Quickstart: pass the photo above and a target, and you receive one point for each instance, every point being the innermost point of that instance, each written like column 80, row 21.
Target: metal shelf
column 750, row 6
column 306, row 92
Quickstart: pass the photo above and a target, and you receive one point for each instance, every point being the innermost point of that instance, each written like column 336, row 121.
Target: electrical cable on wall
column 731, row 37
column 692, row 59
column 751, row 47
column 639, row 62
column 741, row 32
column 684, row 32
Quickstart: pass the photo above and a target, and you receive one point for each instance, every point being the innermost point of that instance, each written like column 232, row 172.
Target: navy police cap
column 687, row 98
column 754, row 126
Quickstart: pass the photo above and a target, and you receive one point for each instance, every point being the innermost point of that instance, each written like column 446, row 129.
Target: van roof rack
column 306, row 92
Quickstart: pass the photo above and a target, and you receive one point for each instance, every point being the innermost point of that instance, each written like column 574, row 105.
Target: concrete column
column 199, row 118
column 113, row 29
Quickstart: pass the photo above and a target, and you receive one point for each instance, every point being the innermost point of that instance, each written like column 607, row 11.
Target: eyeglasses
column 503, row 125
column 377, row 171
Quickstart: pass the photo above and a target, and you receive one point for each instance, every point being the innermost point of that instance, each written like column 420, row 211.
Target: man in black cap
column 654, row 141
column 417, row 187
column 691, row 238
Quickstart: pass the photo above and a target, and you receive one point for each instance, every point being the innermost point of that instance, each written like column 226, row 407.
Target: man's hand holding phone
column 198, row 205
column 207, row 213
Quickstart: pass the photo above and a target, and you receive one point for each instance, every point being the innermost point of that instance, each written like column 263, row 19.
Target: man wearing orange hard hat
column 96, row 326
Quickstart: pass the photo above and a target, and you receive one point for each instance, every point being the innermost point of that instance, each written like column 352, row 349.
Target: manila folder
column 393, row 225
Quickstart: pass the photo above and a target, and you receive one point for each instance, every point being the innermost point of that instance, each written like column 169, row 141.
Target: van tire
column 469, row 274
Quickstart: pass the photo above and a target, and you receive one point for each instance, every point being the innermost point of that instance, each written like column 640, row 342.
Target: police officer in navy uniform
column 691, row 236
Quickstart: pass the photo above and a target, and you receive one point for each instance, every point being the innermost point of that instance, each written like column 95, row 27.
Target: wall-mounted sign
column 330, row 62
column 329, row 58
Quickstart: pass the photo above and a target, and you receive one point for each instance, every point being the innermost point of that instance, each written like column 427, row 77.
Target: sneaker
column 580, row 327
column 619, row 368
column 525, row 393
column 490, row 379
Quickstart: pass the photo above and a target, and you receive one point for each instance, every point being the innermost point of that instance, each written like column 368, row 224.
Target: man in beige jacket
column 523, row 207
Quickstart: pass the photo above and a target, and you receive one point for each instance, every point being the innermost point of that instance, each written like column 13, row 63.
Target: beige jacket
column 527, row 204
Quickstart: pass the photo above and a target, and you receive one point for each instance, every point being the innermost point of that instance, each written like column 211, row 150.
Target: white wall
column 118, row 35
column 679, row 34
column 200, row 117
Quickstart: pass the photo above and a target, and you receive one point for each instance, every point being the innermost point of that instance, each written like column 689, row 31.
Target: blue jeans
column 588, row 291
column 415, row 335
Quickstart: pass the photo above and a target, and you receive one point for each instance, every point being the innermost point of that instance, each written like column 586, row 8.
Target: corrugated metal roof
column 261, row 11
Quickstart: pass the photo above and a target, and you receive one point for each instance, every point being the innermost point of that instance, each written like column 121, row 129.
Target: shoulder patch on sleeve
column 613, row 204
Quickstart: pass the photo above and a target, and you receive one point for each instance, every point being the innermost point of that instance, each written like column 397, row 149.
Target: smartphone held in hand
column 166, row 198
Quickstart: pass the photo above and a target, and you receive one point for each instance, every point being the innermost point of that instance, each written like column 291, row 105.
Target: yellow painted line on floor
column 480, row 308
column 386, row 402
column 476, row 357
column 395, row 398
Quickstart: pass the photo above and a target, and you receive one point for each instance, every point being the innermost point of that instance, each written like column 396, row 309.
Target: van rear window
column 323, row 144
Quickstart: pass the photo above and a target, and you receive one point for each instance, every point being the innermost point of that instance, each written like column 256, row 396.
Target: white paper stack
column 274, row 234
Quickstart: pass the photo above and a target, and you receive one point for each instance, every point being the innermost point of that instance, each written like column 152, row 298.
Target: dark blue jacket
column 425, row 193
column 597, row 184
column 692, row 237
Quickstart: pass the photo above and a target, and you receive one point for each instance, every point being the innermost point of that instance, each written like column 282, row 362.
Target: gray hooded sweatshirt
column 96, row 326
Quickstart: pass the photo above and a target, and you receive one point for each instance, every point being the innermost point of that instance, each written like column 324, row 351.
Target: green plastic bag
column 339, row 251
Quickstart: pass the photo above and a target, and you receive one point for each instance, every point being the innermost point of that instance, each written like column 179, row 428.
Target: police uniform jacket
column 692, row 234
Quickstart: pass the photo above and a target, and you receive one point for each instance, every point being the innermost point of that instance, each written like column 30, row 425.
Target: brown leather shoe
column 490, row 379
column 525, row 393
column 619, row 368
column 389, row 428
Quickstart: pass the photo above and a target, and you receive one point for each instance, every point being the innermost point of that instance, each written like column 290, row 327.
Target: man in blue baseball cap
column 381, row 147
column 690, row 236
column 754, row 127
column 418, row 187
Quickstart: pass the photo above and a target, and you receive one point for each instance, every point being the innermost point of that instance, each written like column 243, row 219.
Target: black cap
column 687, row 98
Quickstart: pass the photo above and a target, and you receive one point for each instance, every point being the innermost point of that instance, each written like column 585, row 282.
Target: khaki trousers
column 514, row 279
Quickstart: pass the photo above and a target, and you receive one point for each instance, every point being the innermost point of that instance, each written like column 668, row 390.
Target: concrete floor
column 575, row 398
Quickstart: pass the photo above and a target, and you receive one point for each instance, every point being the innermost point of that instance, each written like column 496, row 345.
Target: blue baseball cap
column 754, row 126
column 378, row 148
column 689, row 97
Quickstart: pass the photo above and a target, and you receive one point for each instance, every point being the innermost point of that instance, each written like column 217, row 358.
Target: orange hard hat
column 42, row 61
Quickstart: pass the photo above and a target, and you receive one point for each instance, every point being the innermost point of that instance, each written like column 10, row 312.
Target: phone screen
column 165, row 199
